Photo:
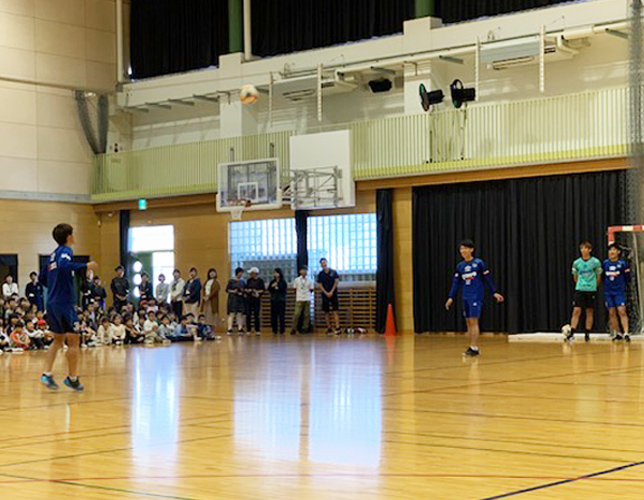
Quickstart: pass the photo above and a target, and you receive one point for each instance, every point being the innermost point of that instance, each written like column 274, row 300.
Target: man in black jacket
column 192, row 293
column 34, row 291
column 99, row 293
column 120, row 288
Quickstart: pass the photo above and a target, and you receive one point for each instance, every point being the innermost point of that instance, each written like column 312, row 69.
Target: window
column 152, row 249
column 348, row 242
column 265, row 244
column 151, row 238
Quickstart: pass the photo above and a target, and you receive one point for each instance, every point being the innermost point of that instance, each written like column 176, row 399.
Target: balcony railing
column 585, row 125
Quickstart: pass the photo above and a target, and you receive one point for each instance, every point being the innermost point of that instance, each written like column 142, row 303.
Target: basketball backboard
column 253, row 184
column 321, row 175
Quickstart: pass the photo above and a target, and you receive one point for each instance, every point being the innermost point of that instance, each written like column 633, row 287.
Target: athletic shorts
column 614, row 299
column 472, row 308
column 585, row 300
column 62, row 320
column 330, row 304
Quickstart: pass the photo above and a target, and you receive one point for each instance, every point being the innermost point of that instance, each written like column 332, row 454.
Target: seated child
column 152, row 306
column 103, row 334
column 37, row 338
column 132, row 333
column 118, row 332
column 151, row 329
column 204, row 331
column 183, row 332
column 165, row 329
column 5, row 341
column 19, row 339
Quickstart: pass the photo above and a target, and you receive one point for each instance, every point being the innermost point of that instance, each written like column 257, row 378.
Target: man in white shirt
column 163, row 290
column 176, row 294
column 9, row 288
column 303, row 288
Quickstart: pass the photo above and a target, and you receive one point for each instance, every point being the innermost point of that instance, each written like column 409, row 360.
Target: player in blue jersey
column 472, row 276
column 617, row 274
column 58, row 277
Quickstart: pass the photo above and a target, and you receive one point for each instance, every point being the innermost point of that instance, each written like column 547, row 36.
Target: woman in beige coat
column 210, row 299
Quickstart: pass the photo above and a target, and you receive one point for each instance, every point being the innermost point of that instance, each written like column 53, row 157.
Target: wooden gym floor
column 319, row 418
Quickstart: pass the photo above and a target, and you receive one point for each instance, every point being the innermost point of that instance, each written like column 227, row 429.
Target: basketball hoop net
column 237, row 213
column 237, row 210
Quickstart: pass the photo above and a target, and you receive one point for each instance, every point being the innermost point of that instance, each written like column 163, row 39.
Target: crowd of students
column 171, row 312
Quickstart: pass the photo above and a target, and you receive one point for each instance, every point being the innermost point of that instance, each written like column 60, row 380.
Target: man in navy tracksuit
column 472, row 275
column 58, row 277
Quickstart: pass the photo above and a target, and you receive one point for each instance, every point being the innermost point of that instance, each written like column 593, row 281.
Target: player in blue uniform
column 58, row 277
column 617, row 274
column 472, row 275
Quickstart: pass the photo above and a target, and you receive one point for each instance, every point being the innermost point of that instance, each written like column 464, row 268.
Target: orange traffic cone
column 390, row 329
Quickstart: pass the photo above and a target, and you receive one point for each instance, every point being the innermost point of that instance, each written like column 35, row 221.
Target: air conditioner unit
column 513, row 53
column 303, row 87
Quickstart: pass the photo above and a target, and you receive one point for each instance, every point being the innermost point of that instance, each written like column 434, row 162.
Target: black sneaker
column 617, row 338
column 329, row 331
column 472, row 352
column 49, row 382
column 627, row 337
column 587, row 337
column 75, row 385
column 338, row 331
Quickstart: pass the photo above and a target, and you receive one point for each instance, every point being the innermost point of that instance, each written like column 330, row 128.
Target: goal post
column 632, row 246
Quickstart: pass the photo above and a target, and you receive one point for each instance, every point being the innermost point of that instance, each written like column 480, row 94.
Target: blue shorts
column 62, row 320
column 614, row 299
column 472, row 308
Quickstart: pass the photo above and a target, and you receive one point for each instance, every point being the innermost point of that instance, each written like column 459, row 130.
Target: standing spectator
column 87, row 292
column 163, row 290
column 9, row 288
column 255, row 288
column 145, row 288
column 192, row 293
column 303, row 288
column 120, row 288
column 278, row 289
column 35, row 291
column 210, row 299
column 236, row 305
column 176, row 293
column 99, row 293
column 328, row 281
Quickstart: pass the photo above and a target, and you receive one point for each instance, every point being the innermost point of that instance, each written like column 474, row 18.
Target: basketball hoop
column 237, row 211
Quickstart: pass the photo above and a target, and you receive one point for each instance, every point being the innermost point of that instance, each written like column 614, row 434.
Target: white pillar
column 236, row 119
column 417, row 34
column 248, row 33
column 120, row 70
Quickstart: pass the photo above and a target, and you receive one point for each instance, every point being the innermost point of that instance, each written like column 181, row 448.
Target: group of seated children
column 24, row 327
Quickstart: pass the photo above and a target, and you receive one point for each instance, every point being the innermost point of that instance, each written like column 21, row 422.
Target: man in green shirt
column 586, row 271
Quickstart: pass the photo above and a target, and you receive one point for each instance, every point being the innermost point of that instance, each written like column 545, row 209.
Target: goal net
column 631, row 242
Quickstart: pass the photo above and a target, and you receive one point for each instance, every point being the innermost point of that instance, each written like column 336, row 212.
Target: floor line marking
column 565, row 481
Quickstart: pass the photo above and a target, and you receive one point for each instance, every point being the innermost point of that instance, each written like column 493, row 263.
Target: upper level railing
column 585, row 125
